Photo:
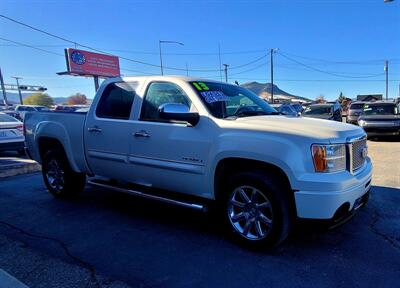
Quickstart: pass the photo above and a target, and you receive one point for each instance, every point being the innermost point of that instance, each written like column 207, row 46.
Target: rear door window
column 116, row 100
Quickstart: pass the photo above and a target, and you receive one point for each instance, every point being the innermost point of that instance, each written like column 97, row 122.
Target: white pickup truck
column 191, row 142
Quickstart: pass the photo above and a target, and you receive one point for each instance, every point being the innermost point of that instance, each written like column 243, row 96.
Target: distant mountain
column 264, row 90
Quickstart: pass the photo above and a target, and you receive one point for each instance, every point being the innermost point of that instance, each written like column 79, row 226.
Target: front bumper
column 323, row 204
column 382, row 131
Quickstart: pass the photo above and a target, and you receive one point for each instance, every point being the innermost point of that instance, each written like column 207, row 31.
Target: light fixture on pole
column 19, row 89
column 159, row 44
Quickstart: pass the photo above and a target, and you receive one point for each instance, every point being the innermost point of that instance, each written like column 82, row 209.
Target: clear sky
column 325, row 46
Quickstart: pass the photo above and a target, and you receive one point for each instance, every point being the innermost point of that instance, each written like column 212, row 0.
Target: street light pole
column 387, row 78
column 159, row 45
column 19, row 89
column 4, row 90
column 272, row 51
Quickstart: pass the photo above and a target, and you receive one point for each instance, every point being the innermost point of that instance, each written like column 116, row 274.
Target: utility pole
column 187, row 70
column 19, row 89
column 159, row 46
column 4, row 90
column 226, row 72
column 272, row 51
column 387, row 78
column 161, row 66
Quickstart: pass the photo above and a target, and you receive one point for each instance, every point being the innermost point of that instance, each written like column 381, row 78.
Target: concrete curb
column 19, row 167
column 8, row 281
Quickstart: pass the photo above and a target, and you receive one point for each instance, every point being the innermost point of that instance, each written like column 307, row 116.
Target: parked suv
column 354, row 111
column 380, row 119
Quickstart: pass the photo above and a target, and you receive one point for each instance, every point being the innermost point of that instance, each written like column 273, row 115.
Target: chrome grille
column 357, row 157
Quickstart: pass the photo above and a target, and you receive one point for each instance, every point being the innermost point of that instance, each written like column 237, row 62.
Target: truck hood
column 324, row 131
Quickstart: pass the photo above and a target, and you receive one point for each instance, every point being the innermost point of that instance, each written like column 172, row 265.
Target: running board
column 148, row 196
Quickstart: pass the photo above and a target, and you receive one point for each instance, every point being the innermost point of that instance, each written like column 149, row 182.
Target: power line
column 343, row 73
column 30, row 46
column 59, row 54
column 378, row 61
column 325, row 72
column 98, row 50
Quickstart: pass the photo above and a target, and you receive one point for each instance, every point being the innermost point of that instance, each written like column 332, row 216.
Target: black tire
column 68, row 183
column 272, row 188
column 21, row 152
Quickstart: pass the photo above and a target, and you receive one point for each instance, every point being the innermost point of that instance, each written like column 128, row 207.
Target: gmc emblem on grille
column 364, row 152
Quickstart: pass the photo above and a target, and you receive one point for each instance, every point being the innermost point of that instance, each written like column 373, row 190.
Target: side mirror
column 178, row 112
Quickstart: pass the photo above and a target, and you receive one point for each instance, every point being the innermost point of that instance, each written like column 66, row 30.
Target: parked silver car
column 355, row 110
column 11, row 134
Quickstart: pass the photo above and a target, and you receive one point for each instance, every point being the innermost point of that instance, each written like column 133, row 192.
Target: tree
column 39, row 99
column 320, row 99
column 77, row 99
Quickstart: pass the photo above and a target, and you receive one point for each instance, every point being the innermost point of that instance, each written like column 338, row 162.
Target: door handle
column 141, row 133
column 94, row 129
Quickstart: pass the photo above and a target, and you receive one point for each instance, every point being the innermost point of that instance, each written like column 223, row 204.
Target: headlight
column 329, row 158
column 361, row 122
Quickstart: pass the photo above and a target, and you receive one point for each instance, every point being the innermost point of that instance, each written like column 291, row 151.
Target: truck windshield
column 230, row 101
column 380, row 109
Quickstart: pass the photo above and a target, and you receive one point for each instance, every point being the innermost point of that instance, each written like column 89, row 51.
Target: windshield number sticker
column 201, row 86
column 214, row 96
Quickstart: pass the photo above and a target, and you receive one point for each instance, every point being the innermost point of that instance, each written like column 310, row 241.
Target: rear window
column 6, row 118
column 318, row 110
column 42, row 109
column 357, row 106
column 377, row 109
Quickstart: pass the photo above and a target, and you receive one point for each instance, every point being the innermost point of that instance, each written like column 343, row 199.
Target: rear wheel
column 257, row 209
column 60, row 179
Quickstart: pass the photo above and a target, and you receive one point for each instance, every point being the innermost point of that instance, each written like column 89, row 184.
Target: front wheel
column 257, row 209
column 60, row 179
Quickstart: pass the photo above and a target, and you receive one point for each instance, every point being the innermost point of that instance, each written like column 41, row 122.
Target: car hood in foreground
column 324, row 131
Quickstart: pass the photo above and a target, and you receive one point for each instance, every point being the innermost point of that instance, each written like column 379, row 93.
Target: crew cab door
column 107, row 132
column 169, row 155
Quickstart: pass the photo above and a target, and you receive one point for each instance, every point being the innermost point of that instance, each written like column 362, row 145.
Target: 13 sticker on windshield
column 201, row 86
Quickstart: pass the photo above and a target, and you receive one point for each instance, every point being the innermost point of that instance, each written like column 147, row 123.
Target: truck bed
column 66, row 127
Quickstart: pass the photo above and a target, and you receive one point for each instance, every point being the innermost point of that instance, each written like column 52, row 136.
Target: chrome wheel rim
column 250, row 213
column 55, row 175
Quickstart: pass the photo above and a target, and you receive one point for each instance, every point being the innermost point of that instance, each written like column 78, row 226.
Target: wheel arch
column 45, row 144
column 228, row 166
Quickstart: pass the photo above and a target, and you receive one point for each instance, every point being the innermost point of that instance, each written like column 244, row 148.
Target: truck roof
column 164, row 78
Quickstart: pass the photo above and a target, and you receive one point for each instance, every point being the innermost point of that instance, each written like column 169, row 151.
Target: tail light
column 20, row 128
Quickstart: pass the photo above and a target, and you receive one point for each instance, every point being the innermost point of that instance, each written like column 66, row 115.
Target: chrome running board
column 148, row 196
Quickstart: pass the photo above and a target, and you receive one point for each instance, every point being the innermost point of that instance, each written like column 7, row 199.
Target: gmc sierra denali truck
column 190, row 142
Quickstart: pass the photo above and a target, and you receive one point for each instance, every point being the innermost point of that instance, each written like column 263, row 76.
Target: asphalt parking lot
column 118, row 240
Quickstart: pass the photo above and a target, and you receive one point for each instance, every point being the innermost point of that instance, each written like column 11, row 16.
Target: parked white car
column 22, row 109
column 11, row 134
column 191, row 141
